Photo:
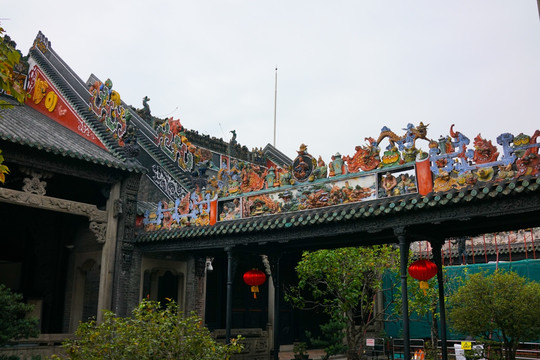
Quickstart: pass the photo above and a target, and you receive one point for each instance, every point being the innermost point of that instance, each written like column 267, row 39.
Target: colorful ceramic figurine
column 405, row 185
column 337, row 166
column 366, row 157
column 270, row 178
column 389, row 182
column 445, row 182
column 391, row 157
column 529, row 162
column 303, row 165
column 285, row 177
column 321, row 170
column 484, row 151
column 252, row 180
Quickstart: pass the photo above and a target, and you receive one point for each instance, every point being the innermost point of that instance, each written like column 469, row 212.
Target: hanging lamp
column 423, row 270
column 254, row 278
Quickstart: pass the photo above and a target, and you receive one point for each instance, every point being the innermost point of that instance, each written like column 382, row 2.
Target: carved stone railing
column 97, row 218
column 41, row 347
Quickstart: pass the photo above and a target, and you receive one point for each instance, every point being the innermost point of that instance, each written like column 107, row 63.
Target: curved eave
column 74, row 155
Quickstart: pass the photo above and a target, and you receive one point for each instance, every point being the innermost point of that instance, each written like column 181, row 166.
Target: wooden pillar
column 404, row 259
column 228, row 314
column 436, row 247
column 274, row 265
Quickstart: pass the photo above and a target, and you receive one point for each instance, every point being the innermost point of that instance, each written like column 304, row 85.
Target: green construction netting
column 419, row 328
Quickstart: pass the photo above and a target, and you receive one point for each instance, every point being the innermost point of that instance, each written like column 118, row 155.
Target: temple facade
column 105, row 204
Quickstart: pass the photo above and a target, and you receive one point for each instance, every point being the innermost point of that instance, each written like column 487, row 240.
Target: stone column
column 127, row 259
column 436, row 247
column 228, row 314
column 108, row 254
column 200, row 286
column 404, row 259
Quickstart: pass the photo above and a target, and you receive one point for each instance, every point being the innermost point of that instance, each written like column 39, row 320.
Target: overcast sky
column 346, row 68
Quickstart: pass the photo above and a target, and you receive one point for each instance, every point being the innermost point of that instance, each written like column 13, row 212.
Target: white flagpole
column 275, row 106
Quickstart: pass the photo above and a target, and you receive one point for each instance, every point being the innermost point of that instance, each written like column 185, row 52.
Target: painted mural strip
column 325, row 192
column 193, row 209
column 247, row 190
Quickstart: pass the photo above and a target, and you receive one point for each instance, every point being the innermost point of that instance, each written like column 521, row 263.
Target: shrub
column 13, row 321
column 153, row 332
column 331, row 340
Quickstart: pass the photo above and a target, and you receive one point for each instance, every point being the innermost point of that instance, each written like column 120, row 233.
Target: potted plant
column 300, row 350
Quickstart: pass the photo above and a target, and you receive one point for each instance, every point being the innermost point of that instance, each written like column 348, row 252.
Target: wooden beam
column 53, row 204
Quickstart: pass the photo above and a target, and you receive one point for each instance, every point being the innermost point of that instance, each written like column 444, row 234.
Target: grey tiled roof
column 25, row 126
column 277, row 156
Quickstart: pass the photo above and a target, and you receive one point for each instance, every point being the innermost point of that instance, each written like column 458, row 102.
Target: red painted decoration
column 46, row 99
column 423, row 270
column 254, row 278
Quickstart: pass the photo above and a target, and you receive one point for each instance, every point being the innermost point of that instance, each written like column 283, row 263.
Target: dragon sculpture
column 406, row 141
column 529, row 162
column 484, row 151
column 366, row 157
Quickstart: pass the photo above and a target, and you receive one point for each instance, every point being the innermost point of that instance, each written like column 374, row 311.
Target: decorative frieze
column 98, row 218
column 166, row 183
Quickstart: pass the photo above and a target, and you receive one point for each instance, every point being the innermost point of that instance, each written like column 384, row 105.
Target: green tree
column 343, row 282
column 424, row 303
column 153, row 332
column 9, row 58
column 3, row 169
column 502, row 306
column 331, row 340
column 14, row 323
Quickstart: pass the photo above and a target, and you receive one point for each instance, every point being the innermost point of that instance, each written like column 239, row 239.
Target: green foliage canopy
column 13, row 321
column 502, row 306
column 9, row 57
column 343, row 283
column 151, row 333
column 423, row 304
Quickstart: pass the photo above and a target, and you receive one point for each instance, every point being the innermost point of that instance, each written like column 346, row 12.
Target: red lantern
column 423, row 270
column 254, row 278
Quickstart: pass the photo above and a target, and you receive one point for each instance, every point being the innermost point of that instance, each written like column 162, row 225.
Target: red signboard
column 46, row 99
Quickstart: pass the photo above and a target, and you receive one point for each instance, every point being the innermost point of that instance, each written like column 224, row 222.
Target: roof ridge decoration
column 454, row 166
column 41, row 43
column 178, row 142
column 106, row 104
column 402, row 169
column 171, row 139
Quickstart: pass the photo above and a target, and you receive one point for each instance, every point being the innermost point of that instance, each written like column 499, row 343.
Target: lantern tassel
column 254, row 290
column 424, row 286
